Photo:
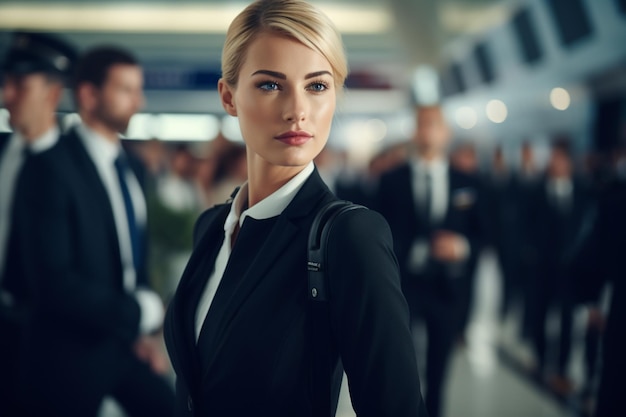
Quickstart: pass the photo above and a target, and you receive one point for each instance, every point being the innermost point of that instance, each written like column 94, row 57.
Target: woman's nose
column 295, row 109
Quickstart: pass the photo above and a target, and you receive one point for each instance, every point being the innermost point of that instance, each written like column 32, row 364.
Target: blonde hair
column 296, row 19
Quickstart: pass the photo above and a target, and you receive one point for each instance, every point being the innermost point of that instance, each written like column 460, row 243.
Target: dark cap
column 30, row 52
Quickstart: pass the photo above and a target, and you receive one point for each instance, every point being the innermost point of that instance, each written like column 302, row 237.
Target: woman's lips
column 294, row 138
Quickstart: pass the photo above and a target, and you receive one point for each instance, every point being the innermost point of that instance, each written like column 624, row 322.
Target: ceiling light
column 496, row 111
column 168, row 18
column 186, row 127
column 560, row 98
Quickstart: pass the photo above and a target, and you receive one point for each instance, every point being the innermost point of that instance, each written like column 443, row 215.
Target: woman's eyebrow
column 282, row 76
column 317, row 74
column 271, row 73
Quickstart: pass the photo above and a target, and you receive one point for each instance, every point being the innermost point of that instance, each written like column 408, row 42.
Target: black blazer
column 256, row 360
column 465, row 215
column 553, row 232
column 597, row 261
column 82, row 319
column 4, row 140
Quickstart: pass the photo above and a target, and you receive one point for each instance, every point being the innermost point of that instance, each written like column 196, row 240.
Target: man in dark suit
column 597, row 262
column 503, row 196
column 34, row 71
column 433, row 211
column 527, row 180
column 558, row 210
column 82, row 214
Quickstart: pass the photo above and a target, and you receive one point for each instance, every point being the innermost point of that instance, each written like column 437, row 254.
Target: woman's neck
column 264, row 181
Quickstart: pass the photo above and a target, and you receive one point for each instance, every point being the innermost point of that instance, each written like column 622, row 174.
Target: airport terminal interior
column 523, row 85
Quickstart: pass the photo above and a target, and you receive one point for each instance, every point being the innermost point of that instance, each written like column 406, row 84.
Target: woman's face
column 284, row 99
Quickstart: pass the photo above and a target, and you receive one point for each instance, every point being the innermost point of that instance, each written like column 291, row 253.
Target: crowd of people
column 102, row 250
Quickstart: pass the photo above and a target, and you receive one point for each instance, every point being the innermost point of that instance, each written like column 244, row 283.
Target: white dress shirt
column 269, row 207
column 560, row 190
column 438, row 170
column 10, row 166
column 103, row 153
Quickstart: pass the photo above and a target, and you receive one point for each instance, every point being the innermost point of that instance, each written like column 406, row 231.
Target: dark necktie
column 122, row 169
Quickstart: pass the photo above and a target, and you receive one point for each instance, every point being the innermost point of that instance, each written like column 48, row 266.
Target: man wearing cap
column 84, row 218
column 34, row 71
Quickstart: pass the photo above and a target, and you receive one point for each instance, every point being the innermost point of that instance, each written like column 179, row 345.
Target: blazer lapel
column 280, row 237
column 192, row 282
column 94, row 188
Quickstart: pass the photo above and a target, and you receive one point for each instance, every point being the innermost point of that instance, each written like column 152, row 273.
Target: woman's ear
column 227, row 97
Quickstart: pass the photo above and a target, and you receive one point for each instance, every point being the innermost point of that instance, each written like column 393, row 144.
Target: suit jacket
column 465, row 216
column 4, row 140
column 10, row 318
column 554, row 231
column 82, row 319
column 597, row 261
column 255, row 357
column 12, row 276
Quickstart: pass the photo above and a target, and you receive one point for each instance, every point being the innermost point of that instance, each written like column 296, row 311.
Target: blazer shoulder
column 360, row 229
column 215, row 213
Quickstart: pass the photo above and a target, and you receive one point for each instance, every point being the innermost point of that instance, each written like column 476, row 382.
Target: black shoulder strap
column 324, row 393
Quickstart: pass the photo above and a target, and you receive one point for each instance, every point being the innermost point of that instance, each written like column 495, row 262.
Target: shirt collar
column 40, row 144
column 271, row 206
column 45, row 141
column 99, row 147
column 437, row 166
column 560, row 185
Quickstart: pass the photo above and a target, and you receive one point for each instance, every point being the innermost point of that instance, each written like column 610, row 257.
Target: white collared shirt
column 420, row 251
column 10, row 166
column 438, row 171
column 103, row 153
column 560, row 188
column 269, row 207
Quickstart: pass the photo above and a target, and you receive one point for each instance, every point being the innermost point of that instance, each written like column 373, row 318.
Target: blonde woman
column 237, row 329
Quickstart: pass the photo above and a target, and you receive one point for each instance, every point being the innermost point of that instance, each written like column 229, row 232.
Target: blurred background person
column 558, row 211
column 231, row 172
column 176, row 188
column 433, row 211
column 504, row 214
column 597, row 264
column 34, row 71
column 83, row 219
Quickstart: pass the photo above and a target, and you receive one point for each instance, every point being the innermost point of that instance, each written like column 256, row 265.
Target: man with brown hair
column 83, row 217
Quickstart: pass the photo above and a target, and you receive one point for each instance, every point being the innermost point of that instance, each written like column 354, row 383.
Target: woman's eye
column 268, row 86
column 318, row 87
